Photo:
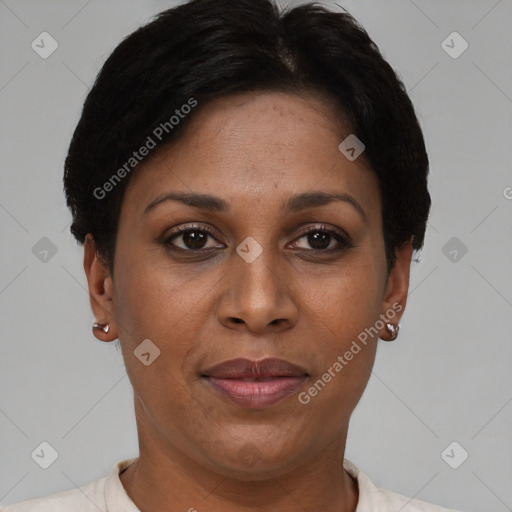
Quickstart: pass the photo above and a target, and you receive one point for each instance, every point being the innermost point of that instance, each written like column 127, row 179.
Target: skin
column 198, row 450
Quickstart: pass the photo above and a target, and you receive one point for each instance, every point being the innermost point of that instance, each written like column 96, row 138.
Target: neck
column 165, row 479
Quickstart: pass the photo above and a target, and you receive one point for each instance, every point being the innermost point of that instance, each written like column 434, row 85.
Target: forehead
column 259, row 147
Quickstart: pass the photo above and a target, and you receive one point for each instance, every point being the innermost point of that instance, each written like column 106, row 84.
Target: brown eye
column 322, row 240
column 319, row 240
column 192, row 239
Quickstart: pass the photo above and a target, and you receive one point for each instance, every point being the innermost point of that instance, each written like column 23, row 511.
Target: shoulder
column 98, row 496
column 88, row 498
column 372, row 498
column 394, row 501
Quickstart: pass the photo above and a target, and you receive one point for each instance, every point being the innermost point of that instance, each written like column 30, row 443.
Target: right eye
column 191, row 239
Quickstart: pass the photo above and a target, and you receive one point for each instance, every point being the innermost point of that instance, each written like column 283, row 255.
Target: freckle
column 275, row 185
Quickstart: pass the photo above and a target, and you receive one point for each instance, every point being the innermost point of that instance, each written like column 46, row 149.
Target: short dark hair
column 207, row 49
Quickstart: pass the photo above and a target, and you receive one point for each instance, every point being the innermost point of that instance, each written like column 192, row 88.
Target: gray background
column 447, row 378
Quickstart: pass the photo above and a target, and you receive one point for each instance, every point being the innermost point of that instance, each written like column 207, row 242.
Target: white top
column 108, row 495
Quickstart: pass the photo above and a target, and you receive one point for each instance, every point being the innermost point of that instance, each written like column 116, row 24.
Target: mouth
column 255, row 384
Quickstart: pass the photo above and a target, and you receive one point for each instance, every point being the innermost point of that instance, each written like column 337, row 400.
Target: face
column 269, row 268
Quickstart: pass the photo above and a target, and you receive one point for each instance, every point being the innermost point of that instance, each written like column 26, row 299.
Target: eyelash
column 343, row 239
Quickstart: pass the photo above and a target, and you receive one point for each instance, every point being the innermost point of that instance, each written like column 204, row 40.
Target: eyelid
column 190, row 227
column 179, row 230
column 323, row 227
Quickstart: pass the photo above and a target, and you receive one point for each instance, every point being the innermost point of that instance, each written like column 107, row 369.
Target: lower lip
column 257, row 394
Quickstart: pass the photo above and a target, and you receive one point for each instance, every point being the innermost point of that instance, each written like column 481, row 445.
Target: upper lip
column 245, row 369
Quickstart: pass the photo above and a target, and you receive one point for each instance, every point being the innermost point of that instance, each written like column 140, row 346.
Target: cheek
column 347, row 300
column 156, row 304
column 342, row 315
column 154, row 300
column 165, row 307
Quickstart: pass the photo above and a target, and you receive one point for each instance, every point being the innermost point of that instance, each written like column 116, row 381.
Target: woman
column 249, row 187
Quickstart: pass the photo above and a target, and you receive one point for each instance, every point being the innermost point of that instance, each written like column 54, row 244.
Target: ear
column 99, row 281
column 397, row 288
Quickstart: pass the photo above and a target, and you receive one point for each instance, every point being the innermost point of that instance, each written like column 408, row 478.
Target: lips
column 247, row 369
column 255, row 384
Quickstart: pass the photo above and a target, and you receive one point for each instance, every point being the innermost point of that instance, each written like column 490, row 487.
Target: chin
column 253, row 458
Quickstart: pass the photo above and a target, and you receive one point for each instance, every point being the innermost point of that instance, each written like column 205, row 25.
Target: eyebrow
column 295, row 204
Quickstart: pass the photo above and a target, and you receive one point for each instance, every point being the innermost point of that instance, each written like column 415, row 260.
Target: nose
column 257, row 297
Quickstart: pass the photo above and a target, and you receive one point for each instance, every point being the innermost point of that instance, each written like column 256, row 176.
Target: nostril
column 238, row 320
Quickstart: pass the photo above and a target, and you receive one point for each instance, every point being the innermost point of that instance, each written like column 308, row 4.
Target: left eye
column 322, row 240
